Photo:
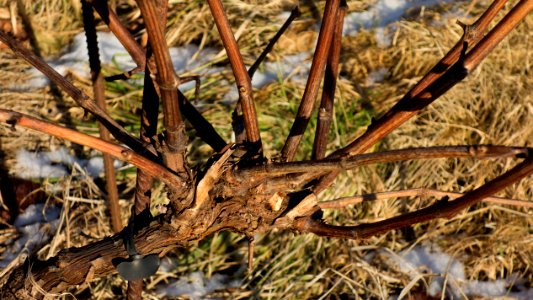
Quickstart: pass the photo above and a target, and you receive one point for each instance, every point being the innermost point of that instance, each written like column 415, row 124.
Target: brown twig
column 242, row 79
column 441, row 209
column 167, row 81
column 497, row 34
column 121, row 32
column 472, row 35
column 338, row 164
column 419, row 192
column 135, row 290
column 28, row 25
column 313, row 81
column 204, row 129
column 437, row 84
column 325, row 112
column 79, row 96
column 99, row 96
column 150, row 110
column 251, row 250
column 428, row 89
column 295, row 13
column 14, row 118
column 238, row 122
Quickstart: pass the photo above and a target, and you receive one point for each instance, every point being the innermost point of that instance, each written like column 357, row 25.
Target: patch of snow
column 292, row 67
column 442, row 269
column 167, row 265
column 184, row 59
column 231, row 96
column 485, row 288
column 383, row 37
column 36, row 165
column 95, row 165
column 37, row 213
column 196, row 286
column 181, row 57
column 55, row 164
column 376, row 76
column 76, row 59
column 295, row 66
column 381, row 14
column 33, row 233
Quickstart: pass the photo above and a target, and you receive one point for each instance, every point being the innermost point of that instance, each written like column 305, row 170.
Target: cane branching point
column 239, row 189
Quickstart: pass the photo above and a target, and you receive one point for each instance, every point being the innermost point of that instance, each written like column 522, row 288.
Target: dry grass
column 493, row 106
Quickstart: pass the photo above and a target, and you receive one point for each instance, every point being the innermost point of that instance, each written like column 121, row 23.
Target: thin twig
column 419, row 192
column 168, row 81
column 28, row 25
column 325, row 112
column 149, row 116
column 204, row 129
column 79, row 96
column 150, row 110
column 99, row 96
column 121, row 32
column 251, row 250
column 238, row 122
column 497, row 34
column 427, row 90
column 242, row 79
column 474, row 33
column 135, row 289
column 313, row 81
column 438, row 84
column 14, row 118
column 295, row 13
column 338, row 164
column 441, row 209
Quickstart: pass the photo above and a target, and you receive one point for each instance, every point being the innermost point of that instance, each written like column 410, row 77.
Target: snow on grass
column 445, row 274
column 36, row 213
column 196, row 286
column 76, row 58
column 381, row 14
column 291, row 67
column 191, row 58
column 36, row 225
column 55, row 163
column 188, row 58
column 376, row 76
column 296, row 67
